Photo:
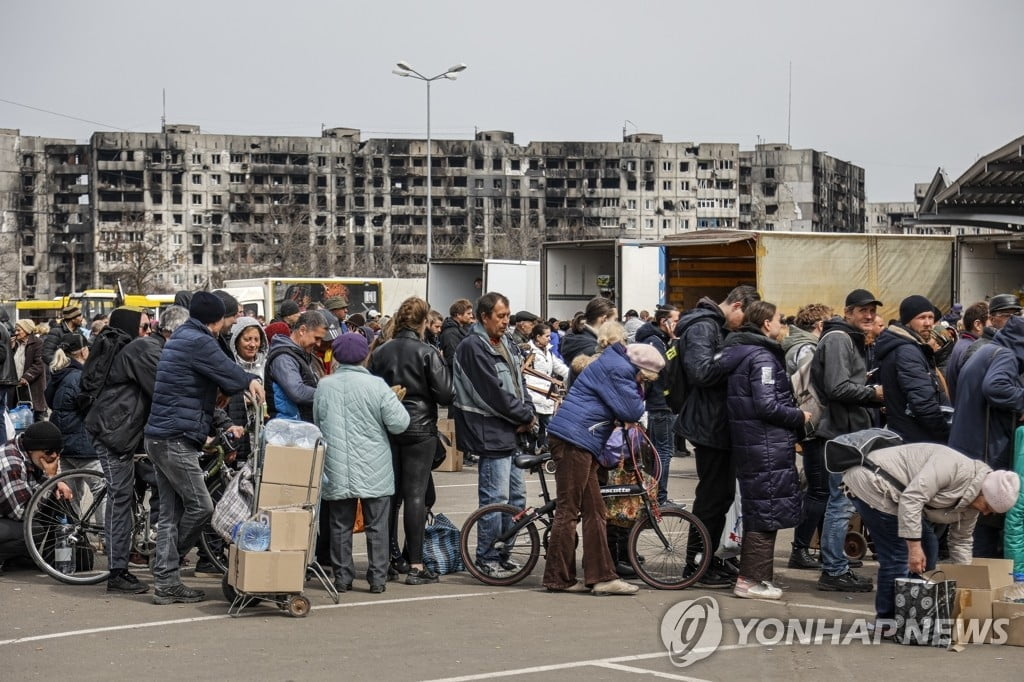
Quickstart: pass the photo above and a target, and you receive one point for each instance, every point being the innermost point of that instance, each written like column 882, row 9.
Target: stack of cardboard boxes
column 453, row 458
column 289, row 490
column 979, row 593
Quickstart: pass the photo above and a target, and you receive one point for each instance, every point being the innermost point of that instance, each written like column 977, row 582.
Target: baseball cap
column 859, row 297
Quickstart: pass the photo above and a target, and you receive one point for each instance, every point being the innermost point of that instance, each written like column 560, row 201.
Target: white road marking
column 645, row 671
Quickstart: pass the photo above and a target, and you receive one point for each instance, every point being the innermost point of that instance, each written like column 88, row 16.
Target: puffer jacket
column 127, row 396
column 913, row 398
column 491, row 398
column 703, row 420
column 452, row 334
column 605, row 392
column 652, row 335
column 407, row 361
column 1013, row 528
column 763, row 426
column 796, row 345
column 940, row 482
column 236, row 404
column 545, row 362
column 51, row 340
column 991, row 397
column 191, row 369
column 61, row 392
column 290, row 379
column 839, row 373
column 355, row 412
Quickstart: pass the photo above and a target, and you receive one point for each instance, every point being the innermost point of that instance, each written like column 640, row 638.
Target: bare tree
column 135, row 254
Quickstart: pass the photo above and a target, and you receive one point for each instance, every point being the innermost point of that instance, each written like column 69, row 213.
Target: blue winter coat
column 355, row 412
column 913, row 399
column 702, row 420
column 603, row 393
column 191, row 369
column 990, row 382
column 61, row 392
column 763, row 425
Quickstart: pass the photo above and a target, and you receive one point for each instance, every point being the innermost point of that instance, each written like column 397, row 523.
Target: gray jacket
column 941, row 484
column 839, row 373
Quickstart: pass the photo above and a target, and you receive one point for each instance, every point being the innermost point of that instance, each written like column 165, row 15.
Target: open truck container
column 987, row 265
column 451, row 280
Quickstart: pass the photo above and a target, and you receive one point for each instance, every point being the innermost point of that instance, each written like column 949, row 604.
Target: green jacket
column 1013, row 528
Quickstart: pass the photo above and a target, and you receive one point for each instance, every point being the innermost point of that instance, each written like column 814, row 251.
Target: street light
column 406, row 71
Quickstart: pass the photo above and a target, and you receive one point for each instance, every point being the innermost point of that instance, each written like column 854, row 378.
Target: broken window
column 217, row 219
column 197, row 179
column 157, row 197
column 177, row 217
column 238, row 158
column 197, row 158
column 216, row 199
column 237, row 178
column 215, row 179
column 215, row 158
column 496, row 164
column 666, row 185
column 478, row 183
column 197, row 199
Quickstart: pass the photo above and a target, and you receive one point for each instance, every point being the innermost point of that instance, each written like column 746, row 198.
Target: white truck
column 987, row 265
column 264, row 295
column 518, row 280
column 788, row 269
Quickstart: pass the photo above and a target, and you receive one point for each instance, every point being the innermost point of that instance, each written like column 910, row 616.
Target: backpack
column 852, row 449
column 104, row 349
column 805, row 394
column 674, row 374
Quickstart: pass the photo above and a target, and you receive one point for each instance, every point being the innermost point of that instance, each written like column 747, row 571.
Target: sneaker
column 177, row 594
column 341, row 587
column 138, row 560
column 420, row 576
column 855, row 563
column 509, row 565
column 577, row 587
column 801, row 558
column 208, row 569
column 624, row 569
column 494, row 570
column 125, row 583
column 400, row 565
column 377, row 589
column 617, row 586
column 748, row 589
column 844, row 582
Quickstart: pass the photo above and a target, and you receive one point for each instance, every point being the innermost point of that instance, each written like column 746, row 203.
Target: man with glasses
column 1001, row 308
column 71, row 323
column 25, row 462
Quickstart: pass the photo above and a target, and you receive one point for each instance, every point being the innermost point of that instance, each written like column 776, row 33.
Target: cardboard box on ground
column 979, row 587
column 453, row 458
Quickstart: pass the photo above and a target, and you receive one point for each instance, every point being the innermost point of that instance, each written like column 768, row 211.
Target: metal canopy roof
column 989, row 194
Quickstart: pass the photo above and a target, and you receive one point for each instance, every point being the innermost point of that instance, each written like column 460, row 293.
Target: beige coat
column 941, row 484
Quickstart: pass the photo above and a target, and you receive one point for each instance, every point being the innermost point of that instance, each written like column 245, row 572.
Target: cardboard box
column 263, row 572
column 293, row 466
column 278, row 495
column 978, row 586
column 290, row 528
column 453, row 458
column 1015, row 614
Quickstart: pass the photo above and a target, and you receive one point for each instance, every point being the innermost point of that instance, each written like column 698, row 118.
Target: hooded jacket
column 957, row 358
column 839, row 373
column 990, row 398
column 763, row 427
column 574, row 344
column 236, row 404
column 652, row 335
column 407, row 361
column 703, row 419
column 452, row 334
column 491, row 398
column 61, row 392
column 940, row 482
column 605, row 392
column 913, row 398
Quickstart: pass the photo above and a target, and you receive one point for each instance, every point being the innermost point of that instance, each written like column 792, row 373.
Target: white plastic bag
column 9, row 431
column 732, row 534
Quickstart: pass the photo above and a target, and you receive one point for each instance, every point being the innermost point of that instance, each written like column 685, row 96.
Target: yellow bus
column 91, row 302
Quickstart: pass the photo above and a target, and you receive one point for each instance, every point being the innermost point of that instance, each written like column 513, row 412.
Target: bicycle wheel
column 516, row 555
column 675, row 562
column 84, row 513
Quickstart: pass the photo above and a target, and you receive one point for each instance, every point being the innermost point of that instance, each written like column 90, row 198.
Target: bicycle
column 667, row 547
column 81, row 518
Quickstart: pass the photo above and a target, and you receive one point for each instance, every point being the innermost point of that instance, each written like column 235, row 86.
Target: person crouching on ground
column 941, row 486
column 356, row 411
column 763, row 427
column 610, row 389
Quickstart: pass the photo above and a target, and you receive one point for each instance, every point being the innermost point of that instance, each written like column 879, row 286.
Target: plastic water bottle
column 253, row 536
column 64, row 551
column 278, row 432
column 1015, row 593
column 305, row 435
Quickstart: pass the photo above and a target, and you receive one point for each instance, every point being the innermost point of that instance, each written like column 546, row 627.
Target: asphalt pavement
column 458, row 629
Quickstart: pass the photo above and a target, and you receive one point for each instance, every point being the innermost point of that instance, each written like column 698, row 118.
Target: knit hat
column 42, row 436
column 645, row 356
column 350, row 348
column 289, row 307
column 72, row 342
column 275, row 328
column 70, row 312
column 229, row 301
column 1001, row 489
column 206, row 307
column 27, row 326
column 912, row 306
column 336, row 303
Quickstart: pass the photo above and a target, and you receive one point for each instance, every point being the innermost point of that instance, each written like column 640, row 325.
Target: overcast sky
column 899, row 88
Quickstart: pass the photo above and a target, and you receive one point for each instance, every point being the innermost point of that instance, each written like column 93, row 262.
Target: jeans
column 716, row 489
column 817, row 496
column 579, row 494
column 659, row 430
column 342, row 517
column 834, row 528
column 500, row 482
column 12, row 539
column 119, row 470
column 185, row 505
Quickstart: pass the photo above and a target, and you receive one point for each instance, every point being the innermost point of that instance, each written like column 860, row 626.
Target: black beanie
column 229, row 301
column 42, row 436
column 206, row 307
column 127, row 319
column 912, row 306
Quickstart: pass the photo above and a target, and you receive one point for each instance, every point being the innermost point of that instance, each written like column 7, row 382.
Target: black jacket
column 575, row 344
column 451, row 334
column 913, row 399
column 654, row 336
column 839, row 372
column 122, row 406
column 703, row 419
column 407, row 361
column 52, row 340
column 61, row 392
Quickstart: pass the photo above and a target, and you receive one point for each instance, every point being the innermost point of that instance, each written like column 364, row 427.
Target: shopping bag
column 441, row 540
column 924, row 611
column 623, row 510
column 359, row 526
column 732, row 533
column 235, row 504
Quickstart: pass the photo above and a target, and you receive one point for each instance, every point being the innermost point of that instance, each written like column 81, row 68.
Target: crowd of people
column 718, row 377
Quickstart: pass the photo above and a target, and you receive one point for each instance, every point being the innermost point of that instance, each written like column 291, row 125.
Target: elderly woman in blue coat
column 356, row 411
column 609, row 390
column 764, row 424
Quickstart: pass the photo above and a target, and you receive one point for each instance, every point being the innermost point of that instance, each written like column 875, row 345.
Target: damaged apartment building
column 197, row 208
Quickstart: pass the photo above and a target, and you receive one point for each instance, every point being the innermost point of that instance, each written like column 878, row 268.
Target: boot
column 801, row 558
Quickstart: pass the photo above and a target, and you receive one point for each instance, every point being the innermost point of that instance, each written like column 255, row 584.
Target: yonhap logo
column 691, row 630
